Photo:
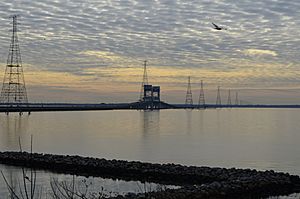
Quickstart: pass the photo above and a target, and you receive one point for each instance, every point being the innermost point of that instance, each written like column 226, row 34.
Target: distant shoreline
column 195, row 182
column 52, row 107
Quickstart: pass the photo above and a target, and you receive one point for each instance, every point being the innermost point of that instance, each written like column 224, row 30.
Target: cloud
column 101, row 44
column 109, row 57
column 259, row 52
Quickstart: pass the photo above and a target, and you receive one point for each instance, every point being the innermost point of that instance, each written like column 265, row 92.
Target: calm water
column 109, row 187
column 245, row 138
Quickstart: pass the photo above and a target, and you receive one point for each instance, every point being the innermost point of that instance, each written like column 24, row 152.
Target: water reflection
column 47, row 183
column 225, row 138
column 14, row 127
column 150, row 132
column 12, row 179
column 150, row 122
column 222, row 138
column 189, row 115
column 201, row 120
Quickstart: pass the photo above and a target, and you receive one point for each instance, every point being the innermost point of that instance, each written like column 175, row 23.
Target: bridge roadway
column 42, row 107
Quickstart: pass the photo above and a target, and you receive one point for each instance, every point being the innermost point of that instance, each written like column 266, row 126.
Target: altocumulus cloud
column 99, row 45
column 259, row 52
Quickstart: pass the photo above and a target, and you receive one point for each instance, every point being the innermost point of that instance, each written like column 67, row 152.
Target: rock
column 195, row 182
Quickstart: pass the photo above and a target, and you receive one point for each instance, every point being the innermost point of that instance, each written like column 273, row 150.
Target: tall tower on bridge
column 229, row 98
column 201, row 102
column 145, row 81
column 218, row 102
column 13, row 89
column 189, row 96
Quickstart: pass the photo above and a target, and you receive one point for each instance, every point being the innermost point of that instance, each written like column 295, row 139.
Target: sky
column 93, row 50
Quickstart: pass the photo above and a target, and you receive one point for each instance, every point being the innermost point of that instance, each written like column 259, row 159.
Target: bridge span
column 43, row 107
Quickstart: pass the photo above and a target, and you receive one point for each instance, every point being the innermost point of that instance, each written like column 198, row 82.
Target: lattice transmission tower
column 218, row 102
column 189, row 96
column 145, row 81
column 236, row 99
column 201, row 102
column 229, row 98
column 13, row 89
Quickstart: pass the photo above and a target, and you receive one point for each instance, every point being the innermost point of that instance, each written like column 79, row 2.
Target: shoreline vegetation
column 194, row 182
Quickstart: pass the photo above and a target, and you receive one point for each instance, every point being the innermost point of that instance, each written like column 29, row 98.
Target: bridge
column 41, row 107
column 45, row 107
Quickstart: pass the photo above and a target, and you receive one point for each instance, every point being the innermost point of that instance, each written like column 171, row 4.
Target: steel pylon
column 189, row 96
column 145, row 81
column 236, row 99
column 218, row 102
column 13, row 88
column 201, row 102
column 229, row 98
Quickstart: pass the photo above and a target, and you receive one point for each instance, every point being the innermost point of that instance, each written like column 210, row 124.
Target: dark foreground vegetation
column 195, row 182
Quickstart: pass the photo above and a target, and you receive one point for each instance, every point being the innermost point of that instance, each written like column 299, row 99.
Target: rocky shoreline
column 195, row 182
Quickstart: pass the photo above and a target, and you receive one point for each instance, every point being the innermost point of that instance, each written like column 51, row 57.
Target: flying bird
column 218, row 27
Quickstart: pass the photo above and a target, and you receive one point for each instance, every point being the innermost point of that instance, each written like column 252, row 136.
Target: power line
column 201, row 102
column 145, row 81
column 13, row 89
column 218, row 101
column 229, row 98
column 236, row 98
column 189, row 96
